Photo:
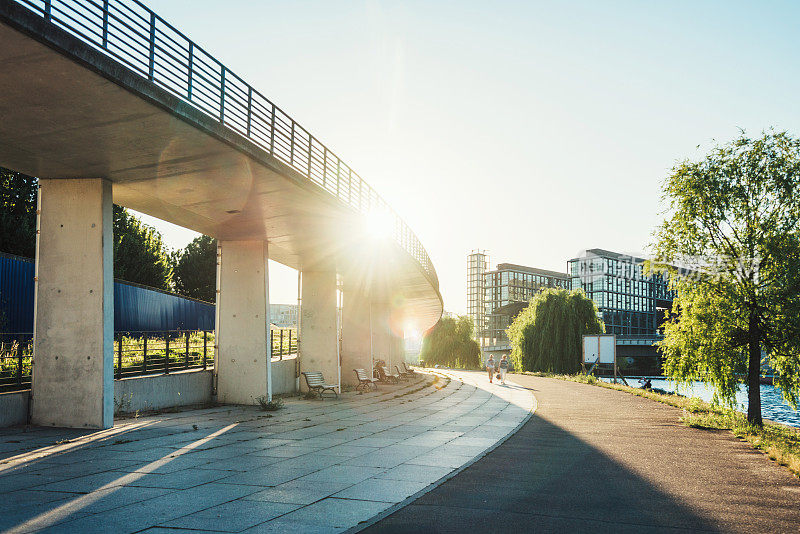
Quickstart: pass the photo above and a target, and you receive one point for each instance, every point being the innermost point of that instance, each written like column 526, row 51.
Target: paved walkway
column 314, row 466
column 598, row 460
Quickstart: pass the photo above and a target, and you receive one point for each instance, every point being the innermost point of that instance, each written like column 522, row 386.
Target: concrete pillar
column 356, row 342
column 73, row 381
column 319, row 336
column 381, row 344
column 399, row 348
column 244, row 354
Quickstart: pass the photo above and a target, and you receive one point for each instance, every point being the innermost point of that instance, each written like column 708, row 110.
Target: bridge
column 104, row 101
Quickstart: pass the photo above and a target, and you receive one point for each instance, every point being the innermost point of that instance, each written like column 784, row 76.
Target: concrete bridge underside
column 94, row 133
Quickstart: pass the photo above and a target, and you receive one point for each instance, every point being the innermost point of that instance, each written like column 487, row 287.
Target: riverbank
column 779, row 442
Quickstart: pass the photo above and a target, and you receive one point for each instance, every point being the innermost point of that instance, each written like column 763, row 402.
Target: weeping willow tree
column 547, row 335
column 450, row 344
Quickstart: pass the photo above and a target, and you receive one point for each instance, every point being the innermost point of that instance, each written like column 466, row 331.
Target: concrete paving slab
column 207, row 465
column 232, row 516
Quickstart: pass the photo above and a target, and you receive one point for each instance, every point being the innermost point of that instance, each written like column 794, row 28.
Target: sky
column 533, row 130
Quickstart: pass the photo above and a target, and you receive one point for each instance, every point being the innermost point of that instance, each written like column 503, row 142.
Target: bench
column 390, row 377
column 364, row 381
column 408, row 369
column 316, row 383
column 402, row 374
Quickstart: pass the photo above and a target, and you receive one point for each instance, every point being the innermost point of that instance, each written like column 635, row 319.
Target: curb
column 433, row 485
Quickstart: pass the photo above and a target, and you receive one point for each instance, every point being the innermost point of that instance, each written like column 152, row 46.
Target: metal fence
column 16, row 354
column 142, row 41
column 137, row 353
column 144, row 353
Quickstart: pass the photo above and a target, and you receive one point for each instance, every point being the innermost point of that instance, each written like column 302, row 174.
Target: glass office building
column 632, row 304
column 477, row 265
column 494, row 298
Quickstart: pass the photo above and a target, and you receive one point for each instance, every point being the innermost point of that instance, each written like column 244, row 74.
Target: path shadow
column 544, row 479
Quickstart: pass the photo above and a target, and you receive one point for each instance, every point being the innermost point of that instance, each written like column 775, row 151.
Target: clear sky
column 531, row 129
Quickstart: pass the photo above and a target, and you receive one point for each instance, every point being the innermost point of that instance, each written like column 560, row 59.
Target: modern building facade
column 632, row 303
column 495, row 297
column 283, row 315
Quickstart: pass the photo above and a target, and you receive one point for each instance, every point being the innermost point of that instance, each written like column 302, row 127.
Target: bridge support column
column 243, row 360
column 381, row 345
column 356, row 332
column 73, row 381
column 319, row 336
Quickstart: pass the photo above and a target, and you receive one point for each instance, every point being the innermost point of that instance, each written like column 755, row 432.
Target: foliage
column 195, row 271
column 449, row 343
column 269, row 405
column 139, row 252
column 733, row 218
column 17, row 213
column 547, row 335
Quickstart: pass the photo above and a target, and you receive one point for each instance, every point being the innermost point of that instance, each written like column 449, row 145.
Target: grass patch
column 779, row 442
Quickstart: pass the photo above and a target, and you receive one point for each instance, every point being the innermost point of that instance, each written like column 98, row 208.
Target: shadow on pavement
column 544, row 479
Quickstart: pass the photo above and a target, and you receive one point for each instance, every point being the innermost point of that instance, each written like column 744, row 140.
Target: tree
column 449, row 343
column 547, row 336
column 731, row 246
column 17, row 213
column 139, row 252
column 195, row 270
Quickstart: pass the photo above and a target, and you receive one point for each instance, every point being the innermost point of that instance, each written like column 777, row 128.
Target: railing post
column 271, row 340
column 105, row 23
column 189, row 70
column 310, row 142
column 19, row 362
column 119, row 356
column 325, row 166
column 151, row 66
column 144, row 360
column 291, row 147
column 281, row 350
column 205, row 349
column 249, row 108
column 222, row 94
column 186, row 354
column 272, row 133
column 47, row 6
column 166, row 353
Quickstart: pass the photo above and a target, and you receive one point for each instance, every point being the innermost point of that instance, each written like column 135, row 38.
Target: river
column 773, row 406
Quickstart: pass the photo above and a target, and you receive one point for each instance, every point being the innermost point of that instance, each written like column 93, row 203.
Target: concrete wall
column 162, row 391
column 284, row 380
column 14, row 408
column 154, row 392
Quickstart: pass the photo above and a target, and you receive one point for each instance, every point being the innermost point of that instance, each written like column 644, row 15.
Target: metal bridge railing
column 134, row 35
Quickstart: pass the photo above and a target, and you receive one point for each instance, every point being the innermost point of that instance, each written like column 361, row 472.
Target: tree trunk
column 754, row 374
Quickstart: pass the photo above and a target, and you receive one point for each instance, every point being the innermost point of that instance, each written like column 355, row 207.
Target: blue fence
column 136, row 308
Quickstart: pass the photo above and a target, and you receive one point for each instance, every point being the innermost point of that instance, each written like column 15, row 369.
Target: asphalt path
column 597, row 460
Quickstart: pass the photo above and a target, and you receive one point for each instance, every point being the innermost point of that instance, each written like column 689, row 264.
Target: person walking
column 490, row 367
column 503, row 369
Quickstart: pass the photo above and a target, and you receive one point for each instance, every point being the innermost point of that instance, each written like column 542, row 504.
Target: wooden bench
column 316, row 383
column 390, row 377
column 364, row 380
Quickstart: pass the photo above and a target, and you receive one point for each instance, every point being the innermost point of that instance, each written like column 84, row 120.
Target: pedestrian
column 503, row 369
column 490, row 367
